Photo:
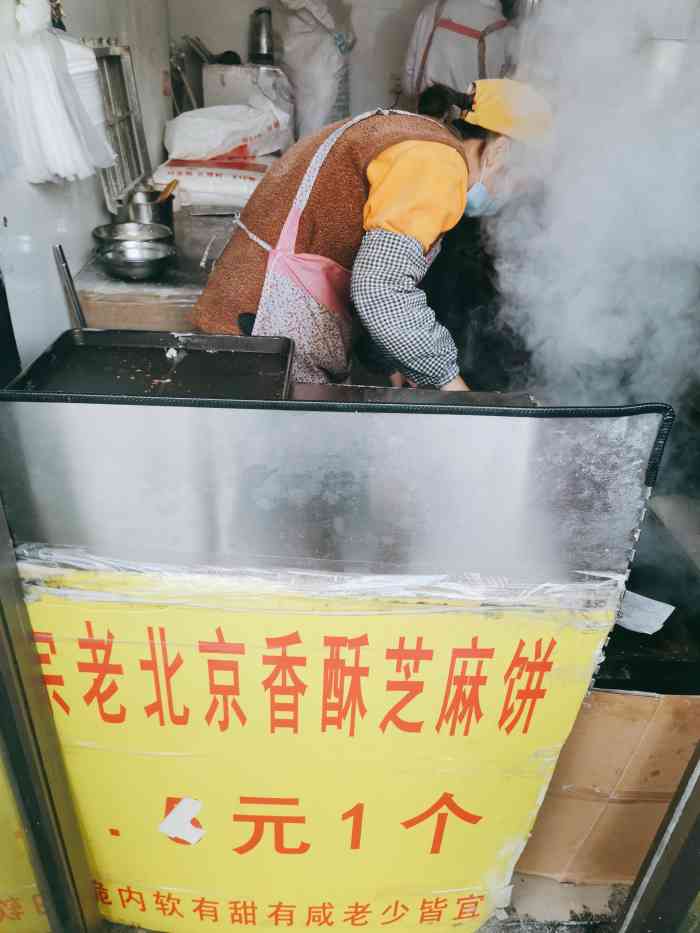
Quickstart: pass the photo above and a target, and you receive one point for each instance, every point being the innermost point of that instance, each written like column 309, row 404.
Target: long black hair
column 437, row 101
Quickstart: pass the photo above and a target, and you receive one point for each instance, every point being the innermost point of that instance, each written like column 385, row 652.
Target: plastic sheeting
column 244, row 130
column 428, row 709
column 51, row 133
column 592, row 592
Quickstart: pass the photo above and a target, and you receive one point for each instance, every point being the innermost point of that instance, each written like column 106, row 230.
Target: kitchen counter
column 164, row 304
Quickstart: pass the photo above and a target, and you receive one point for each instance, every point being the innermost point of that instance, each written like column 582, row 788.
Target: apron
column 307, row 297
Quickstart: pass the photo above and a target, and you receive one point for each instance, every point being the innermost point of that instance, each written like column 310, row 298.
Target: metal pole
column 69, row 287
column 668, row 882
column 30, row 751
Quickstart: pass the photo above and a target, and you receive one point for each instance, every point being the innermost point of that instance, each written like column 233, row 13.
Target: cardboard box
column 615, row 778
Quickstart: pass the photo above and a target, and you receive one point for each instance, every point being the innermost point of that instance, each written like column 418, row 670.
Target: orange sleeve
column 417, row 189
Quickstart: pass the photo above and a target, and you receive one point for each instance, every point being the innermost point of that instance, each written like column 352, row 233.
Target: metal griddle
column 158, row 365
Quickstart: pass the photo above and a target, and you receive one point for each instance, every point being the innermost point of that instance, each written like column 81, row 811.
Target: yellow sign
column 274, row 760
column 21, row 905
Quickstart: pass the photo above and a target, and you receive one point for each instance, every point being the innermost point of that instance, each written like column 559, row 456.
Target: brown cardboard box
column 612, row 786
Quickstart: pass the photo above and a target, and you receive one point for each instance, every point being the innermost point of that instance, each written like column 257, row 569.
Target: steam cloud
column 601, row 272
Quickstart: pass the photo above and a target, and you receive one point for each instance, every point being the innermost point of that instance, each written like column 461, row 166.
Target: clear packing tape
column 47, row 128
column 403, row 695
column 73, row 571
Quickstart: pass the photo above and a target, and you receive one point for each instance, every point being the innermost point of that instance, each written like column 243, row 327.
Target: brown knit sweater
column 331, row 225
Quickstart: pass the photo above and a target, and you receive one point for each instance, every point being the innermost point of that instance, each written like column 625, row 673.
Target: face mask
column 480, row 203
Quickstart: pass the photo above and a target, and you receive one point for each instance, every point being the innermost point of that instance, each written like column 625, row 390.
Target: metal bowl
column 133, row 232
column 136, row 261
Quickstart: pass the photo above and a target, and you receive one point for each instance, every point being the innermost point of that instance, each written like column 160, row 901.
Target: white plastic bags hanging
column 316, row 59
column 85, row 75
column 53, row 136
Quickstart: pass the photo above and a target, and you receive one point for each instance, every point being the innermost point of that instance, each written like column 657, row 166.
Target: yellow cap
column 511, row 108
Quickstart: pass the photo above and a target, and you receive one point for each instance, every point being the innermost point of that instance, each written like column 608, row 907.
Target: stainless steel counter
column 335, row 478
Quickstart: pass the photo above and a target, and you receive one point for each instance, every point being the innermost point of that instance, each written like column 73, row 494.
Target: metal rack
column 124, row 125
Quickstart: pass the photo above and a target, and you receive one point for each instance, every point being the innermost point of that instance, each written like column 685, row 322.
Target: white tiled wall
column 383, row 28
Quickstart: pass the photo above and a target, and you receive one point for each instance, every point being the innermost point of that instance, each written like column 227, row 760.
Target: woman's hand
column 399, row 381
column 455, row 385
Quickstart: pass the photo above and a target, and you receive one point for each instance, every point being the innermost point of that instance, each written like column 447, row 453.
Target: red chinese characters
column 206, row 910
column 469, row 908
column 243, row 912
column 51, row 681
column 282, row 915
column 276, row 820
column 102, row 894
column 101, row 667
column 128, row 896
column 225, row 695
column 442, row 807
column 342, row 683
column 167, row 904
column 320, row 915
column 524, row 678
column 432, row 909
column 283, row 684
column 394, row 913
column 160, row 666
column 11, row 909
column 408, row 662
column 357, row 915
column 461, row 704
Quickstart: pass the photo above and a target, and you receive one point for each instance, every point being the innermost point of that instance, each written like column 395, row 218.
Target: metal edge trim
column 666, row 411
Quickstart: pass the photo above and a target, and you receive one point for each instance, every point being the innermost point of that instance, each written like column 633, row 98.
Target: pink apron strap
column 324, row 279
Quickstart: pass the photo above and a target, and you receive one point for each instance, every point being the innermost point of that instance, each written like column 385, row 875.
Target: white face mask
column 480, row 203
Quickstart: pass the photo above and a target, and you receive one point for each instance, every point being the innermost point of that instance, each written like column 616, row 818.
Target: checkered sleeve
column 388, row 301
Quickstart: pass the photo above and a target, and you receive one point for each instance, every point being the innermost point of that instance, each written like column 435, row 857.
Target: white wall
column 383, row 28
column 143, row 24
column 33, row 217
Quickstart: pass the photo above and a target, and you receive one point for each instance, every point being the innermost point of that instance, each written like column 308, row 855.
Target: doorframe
column 31, row 753
column 668, row 884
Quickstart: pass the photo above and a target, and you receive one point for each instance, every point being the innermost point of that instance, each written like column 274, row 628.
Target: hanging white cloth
column 52, row 133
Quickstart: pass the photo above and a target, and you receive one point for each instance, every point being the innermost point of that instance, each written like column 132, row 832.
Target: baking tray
column 149, row 364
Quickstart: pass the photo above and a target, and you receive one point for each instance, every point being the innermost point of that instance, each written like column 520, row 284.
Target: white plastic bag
column 316, row 61
column 53, row 135
column 84, row 73
column 239, row 129
column 230, row 184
